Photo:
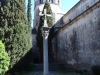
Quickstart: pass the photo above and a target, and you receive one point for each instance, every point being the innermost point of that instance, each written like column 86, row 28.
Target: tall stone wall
column 77, row 42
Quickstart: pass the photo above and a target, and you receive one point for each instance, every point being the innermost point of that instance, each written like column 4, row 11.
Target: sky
column 66, row 5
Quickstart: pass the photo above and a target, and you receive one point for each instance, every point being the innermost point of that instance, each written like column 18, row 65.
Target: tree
column 29, row 12
column 39, row 37
column 14, row 29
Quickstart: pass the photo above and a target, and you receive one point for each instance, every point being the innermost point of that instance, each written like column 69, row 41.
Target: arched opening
column 51, row 1
column 43, row 1
column 40, row 1
column 58, row 1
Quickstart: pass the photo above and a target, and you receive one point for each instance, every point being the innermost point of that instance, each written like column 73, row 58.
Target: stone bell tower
column 55, row 7
column 38, row 7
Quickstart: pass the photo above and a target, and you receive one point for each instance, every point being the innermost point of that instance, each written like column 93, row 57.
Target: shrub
column 4, row 59
column 96, row 69
column 31, row 66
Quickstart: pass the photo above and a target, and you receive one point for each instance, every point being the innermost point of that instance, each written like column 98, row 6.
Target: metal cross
column 45, row 17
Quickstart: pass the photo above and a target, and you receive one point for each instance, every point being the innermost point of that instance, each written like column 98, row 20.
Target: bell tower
column 38, row 7
column 37, row 2
column 55, row 7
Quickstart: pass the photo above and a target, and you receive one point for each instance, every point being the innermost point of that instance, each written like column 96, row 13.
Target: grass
column 23, row 73
column 68, row 71
column 86, row 74
column 64, row 71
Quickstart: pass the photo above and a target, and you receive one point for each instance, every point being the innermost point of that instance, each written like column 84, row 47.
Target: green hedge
column 96, row 69
column 4, row 59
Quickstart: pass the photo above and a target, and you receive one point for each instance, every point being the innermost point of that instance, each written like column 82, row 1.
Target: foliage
column 70, row 71
column 39, row 37
column 96, row 69
column 31, row 65
column 23, row 73
column 86, row 74
column 4, row 59
column 29, row 12
column 14, row 29
column 64, row 71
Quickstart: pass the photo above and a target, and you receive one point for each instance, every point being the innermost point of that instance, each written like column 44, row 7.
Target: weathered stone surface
column 78, row 42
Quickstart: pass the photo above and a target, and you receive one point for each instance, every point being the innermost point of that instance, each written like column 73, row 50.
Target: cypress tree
column 29, row 12
column 14, row 29
column 39, row 37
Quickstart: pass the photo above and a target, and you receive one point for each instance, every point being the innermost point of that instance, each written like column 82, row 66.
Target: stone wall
column 77, row 42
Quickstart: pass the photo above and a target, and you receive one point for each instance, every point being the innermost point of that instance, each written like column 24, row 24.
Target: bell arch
column 51, row 1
